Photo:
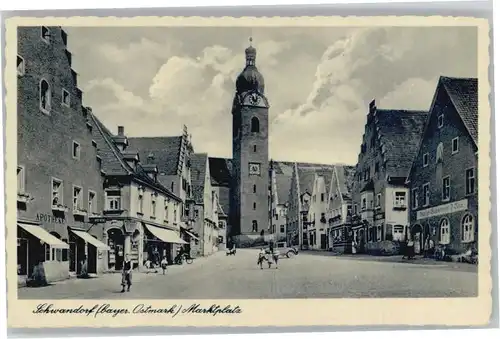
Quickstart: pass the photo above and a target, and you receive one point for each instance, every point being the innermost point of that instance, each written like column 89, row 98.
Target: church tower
column 250, row 186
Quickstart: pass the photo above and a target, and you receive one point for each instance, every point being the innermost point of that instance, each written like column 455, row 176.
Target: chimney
column 121, row 131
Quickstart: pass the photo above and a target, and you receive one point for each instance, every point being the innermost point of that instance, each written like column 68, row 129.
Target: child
column 262, row 257
column 164, row 264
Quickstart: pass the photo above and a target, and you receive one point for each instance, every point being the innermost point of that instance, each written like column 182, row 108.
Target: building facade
column 250, row 209
column 60, row 183
column 380, row 221
column 443, row 177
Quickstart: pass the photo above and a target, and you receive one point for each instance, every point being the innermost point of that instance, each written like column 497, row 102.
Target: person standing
column 126, row 274
column 164, row 264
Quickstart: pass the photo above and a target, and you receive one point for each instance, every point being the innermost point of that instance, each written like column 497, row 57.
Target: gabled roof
column 112, row 160
column 284, row 173
column 198, row 172
column 345, row 180
column 220, row 171
column 166, row 151
column 399, row 133
column 464, row 96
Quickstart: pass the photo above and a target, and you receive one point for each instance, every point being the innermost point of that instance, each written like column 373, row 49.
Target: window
column 140, row 202
column 426, row 194
column 349, row 209
column 92, row 203
column 400, row 199
column 255, row 188
column 76, row 150
column 322, row 197
column 196, row 214
column 113, row 200
column 467, row 228
column 377, row 167
column 45, row 34
column 398, row 233
column 282, row 228
column 175, row 215
column 255, row 227
column 21, row 68
column 470, row 181
column 172, row 186
column 363, row 204
column 254, row 205
column 254, row 148
column 439, row 153
column 440, row 121
column 444, row 232
column 379, row 233
column 45, row 96
column 166, row 211
column 153, row 206
column 425, row 159
column 446, row 188
column 57, row 192
column 77, row 198
column 21, row 179
column 255, row 125
column 355, row 208
column 454, row 146
column 65, row 97
column 379, row 197
column 414, row 198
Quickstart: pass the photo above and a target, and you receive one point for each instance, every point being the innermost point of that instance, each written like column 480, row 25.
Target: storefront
column 160, row 242
column 40, row 251
column 192, row 241
column 86, row 249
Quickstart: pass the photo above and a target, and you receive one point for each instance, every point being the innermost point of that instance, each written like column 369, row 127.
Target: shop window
column 425, row 159
column 57, row 192
column 427, row 194
column 398, row 231
column 444, row 232
column 440, row 120
column 446, row 188
column 48, row 253
column 439, row 153
column 21, row 179
column 255, row 125
column 468, row 228
column 76, row 150
column 21, row 67
column 45, row 96
column 77, row 198
column 470, row 181
column 45, row 34
column 414, row 198
column 65, row 98
column 400, row 199
column 92, row 203
column 255, row 227
column 113, row 200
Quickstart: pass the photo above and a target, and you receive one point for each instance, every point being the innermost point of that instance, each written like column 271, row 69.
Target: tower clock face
column 254, row 169
column 254, row 99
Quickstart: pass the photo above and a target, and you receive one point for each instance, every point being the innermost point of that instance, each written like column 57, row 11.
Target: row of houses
column 88, row 198
column 416, row 178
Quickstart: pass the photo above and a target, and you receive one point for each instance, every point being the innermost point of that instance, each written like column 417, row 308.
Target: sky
column 319, row 80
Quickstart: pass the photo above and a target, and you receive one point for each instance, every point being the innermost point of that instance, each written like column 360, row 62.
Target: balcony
column 23, row 197
column 80, row 212
column 59, row 208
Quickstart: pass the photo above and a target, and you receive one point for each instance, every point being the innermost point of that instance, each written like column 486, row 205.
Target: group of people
column 270, row 255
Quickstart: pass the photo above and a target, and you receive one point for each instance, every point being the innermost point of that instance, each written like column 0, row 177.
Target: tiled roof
column 306, row 179
column 464, row 96
column 345, row 180
column 224, row 196
column 198, row 172
column 220, row 171
column 112, row 159
column 284, row 174
column 400, row 132
column 166, row 151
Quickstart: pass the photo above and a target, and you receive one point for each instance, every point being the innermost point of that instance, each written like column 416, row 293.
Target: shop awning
column 165, row 235
column 91, row 240
column 191, row 235
column 43, row 235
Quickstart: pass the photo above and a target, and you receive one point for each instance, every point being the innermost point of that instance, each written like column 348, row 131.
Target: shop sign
column 449, row 208
column 49, row 218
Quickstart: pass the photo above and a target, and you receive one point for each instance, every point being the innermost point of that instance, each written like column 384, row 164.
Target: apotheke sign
column 452, row 207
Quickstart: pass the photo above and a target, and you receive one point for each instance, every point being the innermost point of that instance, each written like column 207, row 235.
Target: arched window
column 255, row 125
column 45, row 95
column 439, row 153
column 255, row 227
column 468, row 228
column 444, row 232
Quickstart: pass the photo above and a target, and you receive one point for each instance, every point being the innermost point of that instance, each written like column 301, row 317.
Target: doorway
column 323, row 241
column 417, row 236
column 91, row 258
column 116, row 243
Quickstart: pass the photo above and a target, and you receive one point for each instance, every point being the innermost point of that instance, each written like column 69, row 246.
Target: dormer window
column 45, row 34
column 20, row 66
column 440, row 121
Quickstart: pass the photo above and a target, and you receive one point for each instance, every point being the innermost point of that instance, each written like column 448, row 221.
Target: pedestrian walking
column 126, row 274
column 164, row 264
column 426, row 247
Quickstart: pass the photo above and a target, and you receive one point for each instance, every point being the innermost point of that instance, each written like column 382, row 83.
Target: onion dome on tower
column 250, row 79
